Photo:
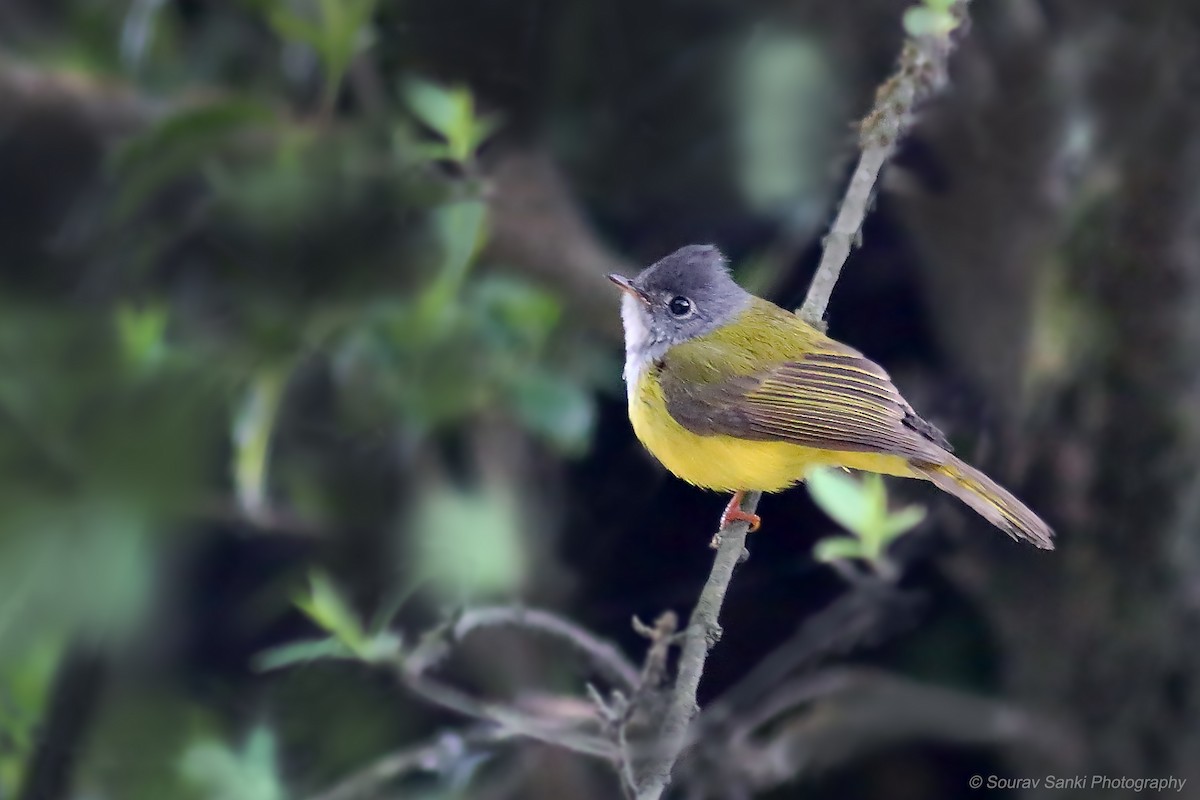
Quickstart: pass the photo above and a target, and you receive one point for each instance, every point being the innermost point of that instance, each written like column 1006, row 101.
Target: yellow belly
column 729, row 464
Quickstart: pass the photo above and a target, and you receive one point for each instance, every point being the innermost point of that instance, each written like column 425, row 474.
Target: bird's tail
column 989, row 499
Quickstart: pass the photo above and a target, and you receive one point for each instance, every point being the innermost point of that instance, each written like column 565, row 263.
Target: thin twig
column 619, row 711
column 502, row 721
column 438, row 755
column 921, row 70
column 602, row 654
column 654, row 668
column 564, row 734
column 822, row 720
column 702, row 632
column 855, row 619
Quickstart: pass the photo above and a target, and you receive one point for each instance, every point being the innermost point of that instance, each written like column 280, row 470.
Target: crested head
column 680, row 297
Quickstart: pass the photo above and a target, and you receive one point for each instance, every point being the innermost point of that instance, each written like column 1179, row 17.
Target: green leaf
column 861, row 508
column 522, row 314
column 903, row 521
column 462, row 230
column 252, row 433
column 190, row 126
column 337, row 34
column 295, row 28
column 841, row 497
column 557, row 408
column 473, row 132
column 785, row 89
column 926, row 21
column 442, row 110
column 300, row 652
column 450, row 113
column 837, row 548
column 177, row 145
column 84, row 565
column 25, row 681
column 142, row 333
column 469, row 543
column 326, row 606
column 225, row 774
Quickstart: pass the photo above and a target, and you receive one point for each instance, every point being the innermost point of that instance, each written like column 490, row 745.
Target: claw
column 733, row 513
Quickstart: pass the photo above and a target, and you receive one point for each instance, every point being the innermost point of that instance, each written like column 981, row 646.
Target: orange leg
column 733, row 513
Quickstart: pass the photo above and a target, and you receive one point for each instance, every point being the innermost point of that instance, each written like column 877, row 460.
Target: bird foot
column 733, row 513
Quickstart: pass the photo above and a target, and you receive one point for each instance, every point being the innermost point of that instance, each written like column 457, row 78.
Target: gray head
column 685, row 295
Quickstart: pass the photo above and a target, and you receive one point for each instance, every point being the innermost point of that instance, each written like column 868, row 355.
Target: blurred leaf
column 391, row 605
column 226, row 774
column 462, row 230
column 555, row 407
column 82, row 568
column 440, row 109
column 786, row 113
column 300, row 652
column 517, row 312
column 177, row 145
column 141, row 733
column 336, row 30
column 326, row 606
column 25, row 680
column 841, row 497
column 252, row 433
column 903, row 521
column 470, row 543
column 929, row 20
column 142, row 333
column 138, row 30
column 338, row 723
column 299, row 185
column 837, row 548
column 449, row 112
column 295, row 28
column 861, row 507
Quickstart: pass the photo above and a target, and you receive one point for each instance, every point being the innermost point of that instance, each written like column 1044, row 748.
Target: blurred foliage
column 860, row 506
column 783, row 92
column 251, row 773
column 236, row 246
column 451, row 114
column 24, row 685
column 336, row 30
column 468, row 545
column 930, row 18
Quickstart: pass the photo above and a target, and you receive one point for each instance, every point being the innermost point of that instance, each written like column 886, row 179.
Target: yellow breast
column 729, row 464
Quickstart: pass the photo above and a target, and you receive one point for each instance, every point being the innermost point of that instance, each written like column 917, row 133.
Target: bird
column 732, row 393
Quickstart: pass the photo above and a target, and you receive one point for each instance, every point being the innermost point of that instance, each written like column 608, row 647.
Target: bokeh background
column 292, row 288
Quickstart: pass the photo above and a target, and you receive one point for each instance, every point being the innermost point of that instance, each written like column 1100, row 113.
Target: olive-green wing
column 829, row 397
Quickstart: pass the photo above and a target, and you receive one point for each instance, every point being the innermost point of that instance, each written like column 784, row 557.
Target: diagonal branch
column 920, row 72
column 604, row 656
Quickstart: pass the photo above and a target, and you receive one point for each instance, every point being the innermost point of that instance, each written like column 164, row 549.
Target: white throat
column 640, row 347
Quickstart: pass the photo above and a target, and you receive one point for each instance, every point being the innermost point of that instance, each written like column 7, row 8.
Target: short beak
column 626, row 285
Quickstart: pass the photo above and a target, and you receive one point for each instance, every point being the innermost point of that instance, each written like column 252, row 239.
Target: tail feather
column 989, row 499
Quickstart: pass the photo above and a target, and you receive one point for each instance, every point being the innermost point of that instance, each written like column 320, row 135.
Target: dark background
column 246, row 331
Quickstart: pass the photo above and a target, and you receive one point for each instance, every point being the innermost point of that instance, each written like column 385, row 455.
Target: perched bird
column 733, row 393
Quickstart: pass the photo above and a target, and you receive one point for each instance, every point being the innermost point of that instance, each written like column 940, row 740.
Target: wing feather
column 831, row 398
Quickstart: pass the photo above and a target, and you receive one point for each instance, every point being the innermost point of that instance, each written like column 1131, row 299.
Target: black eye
column 680, row 306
